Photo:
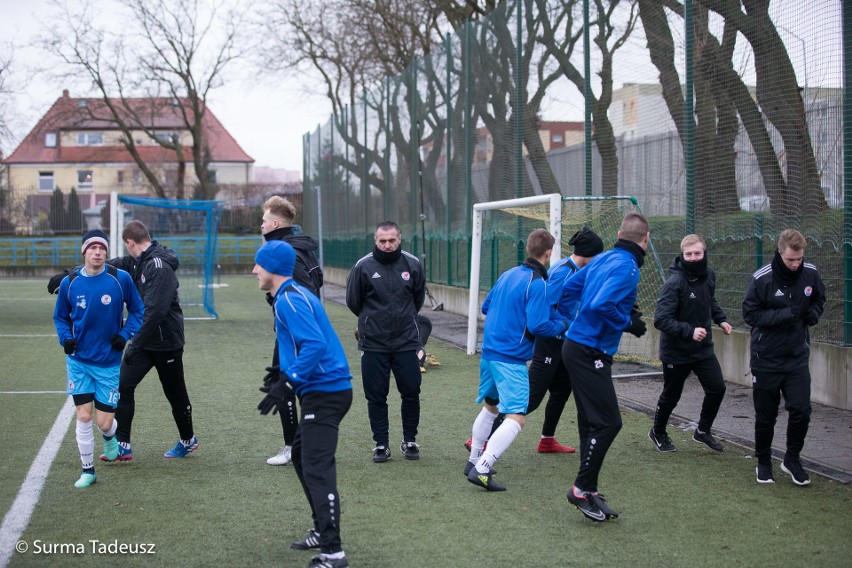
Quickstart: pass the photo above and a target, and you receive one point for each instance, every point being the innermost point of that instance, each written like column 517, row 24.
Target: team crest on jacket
column 106, row 299
column 142, row 278
column 808, row 291
column 406, row 276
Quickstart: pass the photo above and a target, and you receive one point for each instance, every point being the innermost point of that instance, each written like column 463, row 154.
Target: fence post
column 847, row 174
column 689, row 120
column 587, row 97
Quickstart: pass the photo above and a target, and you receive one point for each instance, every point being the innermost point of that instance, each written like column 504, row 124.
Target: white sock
column 481, row 429
column 499, row 443
column 86, row 444
column 111, row 431
column 333, row 555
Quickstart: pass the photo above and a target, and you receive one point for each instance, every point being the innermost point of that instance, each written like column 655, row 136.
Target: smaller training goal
column 191, row 228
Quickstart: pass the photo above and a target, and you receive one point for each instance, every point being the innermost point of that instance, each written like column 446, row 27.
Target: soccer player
column 386, row 289
column 277, row 225
column 607, row 289
column 686, row 308
column 88, row 320
column 547, row 373
column 783, row 300
column 313, row 365
column 516, row 312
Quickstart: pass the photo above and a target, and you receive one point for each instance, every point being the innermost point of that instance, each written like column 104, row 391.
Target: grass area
column 224, row 506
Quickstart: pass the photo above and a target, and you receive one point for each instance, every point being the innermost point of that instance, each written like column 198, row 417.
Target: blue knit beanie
column 276, row 257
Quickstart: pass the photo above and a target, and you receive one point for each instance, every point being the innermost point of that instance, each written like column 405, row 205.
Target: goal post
column 188, row 226
column 504, row 226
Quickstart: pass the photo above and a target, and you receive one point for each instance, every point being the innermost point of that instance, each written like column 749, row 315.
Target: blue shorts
column 88, row 379
column 508, row 382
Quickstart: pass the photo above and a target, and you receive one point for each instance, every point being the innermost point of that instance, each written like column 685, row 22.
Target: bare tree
column 172, row 53
column 6, row 57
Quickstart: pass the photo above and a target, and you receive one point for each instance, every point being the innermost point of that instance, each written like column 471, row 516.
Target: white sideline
column 18, row 516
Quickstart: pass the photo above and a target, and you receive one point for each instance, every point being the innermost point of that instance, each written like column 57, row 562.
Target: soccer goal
column 191, row 228
column 500, row 230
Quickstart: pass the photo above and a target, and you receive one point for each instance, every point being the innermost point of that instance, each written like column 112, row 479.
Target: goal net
column 500, row 230
column 189, row 227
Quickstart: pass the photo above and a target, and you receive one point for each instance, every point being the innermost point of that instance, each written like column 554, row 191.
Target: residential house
column 78, row 144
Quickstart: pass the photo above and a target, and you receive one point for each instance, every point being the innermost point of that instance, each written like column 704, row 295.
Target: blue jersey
column 607, row 289
column 517, row 311
column 558, row 273
column 309, row 351
column 90, row 308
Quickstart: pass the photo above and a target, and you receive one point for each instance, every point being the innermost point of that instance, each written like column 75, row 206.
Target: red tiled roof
column 85, row 114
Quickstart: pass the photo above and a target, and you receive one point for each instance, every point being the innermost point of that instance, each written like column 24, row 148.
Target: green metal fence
column 719, row 120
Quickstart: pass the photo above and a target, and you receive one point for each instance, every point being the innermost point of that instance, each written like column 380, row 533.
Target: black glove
column 637, row 326
column 272, row 375
column 635, row 312
column 55, row 281
column 794, row 312
column 275, row 395
column 118, row 342
column 70, row 345
column 810, row 317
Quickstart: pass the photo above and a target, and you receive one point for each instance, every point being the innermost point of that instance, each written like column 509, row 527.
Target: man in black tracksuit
column 159, row 342
column 686, row 309
column 386, row 289
column 277, row 225
column 783, row 300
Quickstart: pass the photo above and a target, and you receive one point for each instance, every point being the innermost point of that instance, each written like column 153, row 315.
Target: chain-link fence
column 743, row 143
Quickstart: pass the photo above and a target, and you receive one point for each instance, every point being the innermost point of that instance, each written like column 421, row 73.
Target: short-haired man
column 313, row 365
column 686, row 308
column 516, row 312
column 607, row 288
column 386, row 289
column 88, row 320
column 279, row 214
column 783, row 300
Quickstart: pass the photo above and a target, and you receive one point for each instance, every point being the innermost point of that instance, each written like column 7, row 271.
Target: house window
column 120, row 177
column 84, row 180
column 211, row 176
column 50, row 140
column 137, row 177
column 557, row 138
column 166, row 137
column 90, row 139
column 45, row 181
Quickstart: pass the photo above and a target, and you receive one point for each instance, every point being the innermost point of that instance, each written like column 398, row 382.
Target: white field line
column 18, row 516
column 2, row 335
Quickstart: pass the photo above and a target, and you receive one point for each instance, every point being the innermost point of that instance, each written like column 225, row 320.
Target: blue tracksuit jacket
column 309, row 351
column 607, row 288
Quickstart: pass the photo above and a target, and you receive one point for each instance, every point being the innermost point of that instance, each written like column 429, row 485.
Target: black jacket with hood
column 687, row 301
column 154, row 274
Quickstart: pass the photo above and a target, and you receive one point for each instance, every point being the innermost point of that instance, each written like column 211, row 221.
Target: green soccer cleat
column 110, row 450
column 85, row 480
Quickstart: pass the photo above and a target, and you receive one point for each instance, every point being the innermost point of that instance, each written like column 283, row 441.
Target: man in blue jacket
column 313, row 365
column 517, row 312
column 607, row 290
column 88, row 320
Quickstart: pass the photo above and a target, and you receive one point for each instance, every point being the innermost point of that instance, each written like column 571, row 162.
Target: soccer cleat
column 86, row 479
column 182, row 450
column 764, row 473
column 587, row 505
column 410, row 450
column 484, row 480
column 281, row 458
column 432, row 361
column 319, row 561
column 469, row 443
column 125, row 453
column 469, row 466
column 307, row 543
column 381, row 454
column 662, row 441
column 600, row 501
column 551, row 446
column 708, row 440
column 110, row 450
column 794, row 469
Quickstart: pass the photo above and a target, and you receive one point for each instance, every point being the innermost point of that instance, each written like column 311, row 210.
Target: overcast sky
column 267, row 117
